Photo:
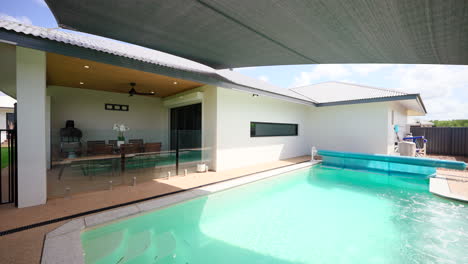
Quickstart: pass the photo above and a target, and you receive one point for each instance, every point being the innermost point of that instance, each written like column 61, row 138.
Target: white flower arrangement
column 120, row 128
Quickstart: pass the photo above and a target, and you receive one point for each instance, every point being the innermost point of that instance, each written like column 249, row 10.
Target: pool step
column 147, row 247
column 107, row 248
column 140, row 248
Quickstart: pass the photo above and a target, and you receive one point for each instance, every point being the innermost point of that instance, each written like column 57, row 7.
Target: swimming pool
column 313, row 215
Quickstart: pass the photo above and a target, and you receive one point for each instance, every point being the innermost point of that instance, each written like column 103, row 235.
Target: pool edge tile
column 221, row 186
column 71, row 226
column 64, row 248
column 111, row 215
column 165, row 201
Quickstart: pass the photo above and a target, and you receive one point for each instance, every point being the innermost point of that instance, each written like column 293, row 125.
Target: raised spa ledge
column 63, row 245
column 412, row 165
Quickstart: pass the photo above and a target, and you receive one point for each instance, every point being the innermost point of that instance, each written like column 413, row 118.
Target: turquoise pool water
column 313, row 215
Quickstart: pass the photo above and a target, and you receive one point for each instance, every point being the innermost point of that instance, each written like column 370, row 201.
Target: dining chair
column 90, row 145
column 113, row 142
column 102, row 149
column 139, row 142
column 152, row 147
column 129, row 148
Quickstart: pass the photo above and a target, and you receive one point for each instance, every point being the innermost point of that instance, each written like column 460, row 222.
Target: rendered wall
column 147, row 118
column 235, row 147
column 354, row 128
column 31, row 114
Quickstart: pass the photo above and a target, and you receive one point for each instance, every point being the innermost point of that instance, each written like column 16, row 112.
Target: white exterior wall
column 3, row 112
column 235, row 147
column 400, row 118
column 31, row 96
column 147, row 118
column 354, row 128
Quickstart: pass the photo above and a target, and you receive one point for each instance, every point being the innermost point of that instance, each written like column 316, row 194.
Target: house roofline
column 417, row 97
column 421, row 102
column 47, row 45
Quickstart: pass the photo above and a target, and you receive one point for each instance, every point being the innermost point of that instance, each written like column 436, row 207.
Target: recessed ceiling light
column 175, row 82
column 81, row 82
column 152, row 92
column 86, row 66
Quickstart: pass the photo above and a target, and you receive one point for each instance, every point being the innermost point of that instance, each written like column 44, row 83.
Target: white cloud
column 440, row 87
column 365, row 69
column 321, row 71
column 19, row 19
column 263, row 78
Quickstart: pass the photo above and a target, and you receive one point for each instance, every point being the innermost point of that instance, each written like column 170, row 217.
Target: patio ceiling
column 80, row 73
column 226, row 33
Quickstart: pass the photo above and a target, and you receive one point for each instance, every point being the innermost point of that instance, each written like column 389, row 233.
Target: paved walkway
column 26, row 246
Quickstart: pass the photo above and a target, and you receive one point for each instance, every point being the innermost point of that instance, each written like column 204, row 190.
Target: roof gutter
column 421, row 103
column 417, row 97
column 47, row 45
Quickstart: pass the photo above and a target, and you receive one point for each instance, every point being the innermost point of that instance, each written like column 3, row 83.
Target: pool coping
column 439, row 186
column 63, row 244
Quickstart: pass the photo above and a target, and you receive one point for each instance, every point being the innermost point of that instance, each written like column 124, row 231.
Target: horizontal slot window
column 262, row 129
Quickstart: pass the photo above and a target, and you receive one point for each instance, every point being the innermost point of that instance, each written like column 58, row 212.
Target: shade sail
column 227, row 34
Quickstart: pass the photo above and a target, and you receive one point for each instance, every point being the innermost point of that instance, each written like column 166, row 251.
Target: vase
column 120, row 142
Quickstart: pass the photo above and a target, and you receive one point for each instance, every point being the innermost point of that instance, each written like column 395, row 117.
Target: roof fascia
column 48, row 45
column 374, row 100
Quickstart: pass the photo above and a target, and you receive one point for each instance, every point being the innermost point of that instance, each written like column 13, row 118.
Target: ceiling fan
column 132, row 91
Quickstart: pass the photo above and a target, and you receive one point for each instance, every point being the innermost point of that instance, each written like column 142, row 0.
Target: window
column 261, row 129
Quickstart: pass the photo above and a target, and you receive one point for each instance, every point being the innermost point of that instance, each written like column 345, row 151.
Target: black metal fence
column 9, row 168
column 444, row 140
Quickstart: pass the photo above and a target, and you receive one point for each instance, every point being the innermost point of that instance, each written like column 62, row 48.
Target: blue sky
column 444, row 88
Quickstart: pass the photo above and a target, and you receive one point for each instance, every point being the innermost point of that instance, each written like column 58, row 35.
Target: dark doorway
column 186, row 121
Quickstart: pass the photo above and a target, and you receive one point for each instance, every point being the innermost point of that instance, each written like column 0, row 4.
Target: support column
column 31, row 115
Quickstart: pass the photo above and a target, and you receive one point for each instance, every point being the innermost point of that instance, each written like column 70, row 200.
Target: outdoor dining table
column 68, row 161
column 122, row 156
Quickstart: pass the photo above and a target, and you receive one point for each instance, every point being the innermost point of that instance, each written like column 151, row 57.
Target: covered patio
column 102, row 135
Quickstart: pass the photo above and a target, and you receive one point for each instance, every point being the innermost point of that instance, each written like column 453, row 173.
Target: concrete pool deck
column 26, row 246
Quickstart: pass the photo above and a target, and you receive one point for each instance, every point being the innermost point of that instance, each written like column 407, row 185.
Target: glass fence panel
column 99, row 160
column 95, row 163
